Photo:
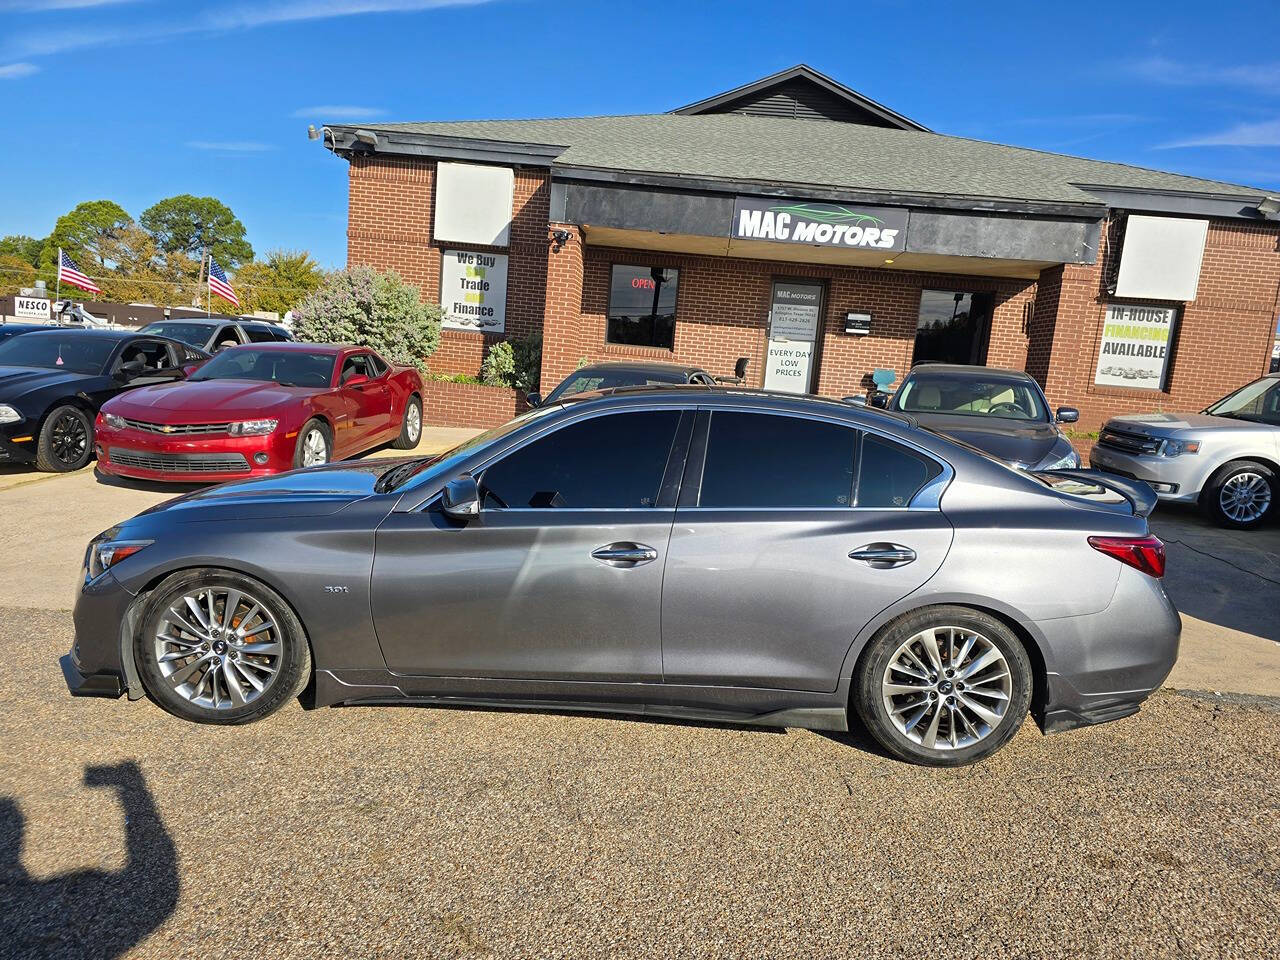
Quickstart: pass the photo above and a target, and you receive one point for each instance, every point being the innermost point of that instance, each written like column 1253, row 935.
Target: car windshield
column 72, row 351
column 1259, row 401
column 586, row 380
column 289, row 368
column 192, row 334
column 1004, row 398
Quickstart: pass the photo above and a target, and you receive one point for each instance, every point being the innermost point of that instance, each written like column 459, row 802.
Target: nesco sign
column 821, row 224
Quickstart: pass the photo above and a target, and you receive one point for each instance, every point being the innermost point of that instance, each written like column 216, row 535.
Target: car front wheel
column 944, row 686
column 219, row 647
column 1241, row 495
column 315, row 445
column 66, row 440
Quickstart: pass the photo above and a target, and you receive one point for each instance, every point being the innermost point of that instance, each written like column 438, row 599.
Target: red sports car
column 261, row 408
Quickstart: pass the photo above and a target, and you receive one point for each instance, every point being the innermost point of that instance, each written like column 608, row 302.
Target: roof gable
column 805, row 94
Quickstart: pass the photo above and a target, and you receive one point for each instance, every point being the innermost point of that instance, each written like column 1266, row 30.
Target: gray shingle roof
column 819, row 153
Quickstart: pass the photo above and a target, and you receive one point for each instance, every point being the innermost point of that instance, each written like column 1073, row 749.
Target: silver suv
column 1226, row 458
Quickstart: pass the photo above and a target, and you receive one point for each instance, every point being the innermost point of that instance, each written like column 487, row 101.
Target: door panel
column 517, row 594
column 773, row 599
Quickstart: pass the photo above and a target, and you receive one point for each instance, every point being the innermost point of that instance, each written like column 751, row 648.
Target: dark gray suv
column 688, row 552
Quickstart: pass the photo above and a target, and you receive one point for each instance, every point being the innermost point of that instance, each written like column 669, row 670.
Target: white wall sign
column 473, row 291
column 473, row 203
column 788, row 365
column 1135, row 346
column 30, row 308
column 794, row 313
column 1160, row 259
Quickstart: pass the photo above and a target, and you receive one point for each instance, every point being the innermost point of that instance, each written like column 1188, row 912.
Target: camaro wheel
column 1241, row 494
column 218, row 647
column 411, row 426
column 66, row 440
column 944, row 687
column 315, row 445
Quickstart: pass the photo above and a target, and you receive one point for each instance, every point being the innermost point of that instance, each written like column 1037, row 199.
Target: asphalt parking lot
column 431, row 832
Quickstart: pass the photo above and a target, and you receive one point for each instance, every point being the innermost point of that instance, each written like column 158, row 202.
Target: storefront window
column 642, row 306
column 953, row 327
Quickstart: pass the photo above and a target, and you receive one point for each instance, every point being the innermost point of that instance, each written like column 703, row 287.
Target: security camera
column 312, row 132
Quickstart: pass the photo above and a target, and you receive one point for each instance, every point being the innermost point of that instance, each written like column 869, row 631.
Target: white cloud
column 1178, row 73
column 12, row 71
column 295, row 10
column 1265, row 134
column 337, row 113
column 231, row 146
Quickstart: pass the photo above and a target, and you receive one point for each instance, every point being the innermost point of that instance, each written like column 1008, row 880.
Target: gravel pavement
column 421, row 832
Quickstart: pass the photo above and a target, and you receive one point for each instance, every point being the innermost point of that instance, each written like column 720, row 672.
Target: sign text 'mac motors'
column 821, row 224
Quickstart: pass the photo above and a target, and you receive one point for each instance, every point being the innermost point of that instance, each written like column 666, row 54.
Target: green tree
column 15, row 273
column 24, row 248
column 83, row 233
column 139, row 274
column 279, row 283
column 187, row 224
column 514, row 363
column 377, row 310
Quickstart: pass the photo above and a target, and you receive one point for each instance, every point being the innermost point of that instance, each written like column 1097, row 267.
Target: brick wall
column 446, row 404
column 390, row 227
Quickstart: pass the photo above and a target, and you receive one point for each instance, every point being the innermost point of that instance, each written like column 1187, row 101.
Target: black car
column 53, row 381
column 8, row 330
column 603, row 376
column 1002, row 412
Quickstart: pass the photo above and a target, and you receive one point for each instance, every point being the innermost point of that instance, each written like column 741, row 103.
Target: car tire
column 923, row 727
column 306, row 448
column 1241, row 495
column 66, row 440
column 220, row 668
column 410, row 425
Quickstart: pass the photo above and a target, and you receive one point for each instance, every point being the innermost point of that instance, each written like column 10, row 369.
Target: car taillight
column 1141, row 553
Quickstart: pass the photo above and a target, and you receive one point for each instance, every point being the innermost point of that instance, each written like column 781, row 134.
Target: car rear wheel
column 1242, row 495
column 945, row 686
column 410, row 426
column 315, row 445
column 66, row 440
column 219, row 647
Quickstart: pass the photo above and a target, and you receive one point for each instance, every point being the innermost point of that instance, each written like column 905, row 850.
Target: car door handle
column 883, row 555
column 625, row 554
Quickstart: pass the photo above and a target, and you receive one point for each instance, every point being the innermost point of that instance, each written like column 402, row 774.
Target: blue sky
column 135, row 100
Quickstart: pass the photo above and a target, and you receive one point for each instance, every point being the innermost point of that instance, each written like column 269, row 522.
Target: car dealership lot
column 472, row 832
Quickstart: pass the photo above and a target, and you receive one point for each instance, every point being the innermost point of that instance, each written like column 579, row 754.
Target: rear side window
column 260, row 335
column 765, row 460
column 890, row 475
column 610, row 462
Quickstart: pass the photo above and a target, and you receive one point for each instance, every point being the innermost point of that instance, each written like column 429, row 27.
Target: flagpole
column 58, row 284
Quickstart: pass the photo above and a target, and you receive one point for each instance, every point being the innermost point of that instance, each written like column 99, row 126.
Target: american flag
column 68, row 272
column 218, row 283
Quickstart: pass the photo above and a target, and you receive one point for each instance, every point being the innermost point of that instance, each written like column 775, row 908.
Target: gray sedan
column 685, row 552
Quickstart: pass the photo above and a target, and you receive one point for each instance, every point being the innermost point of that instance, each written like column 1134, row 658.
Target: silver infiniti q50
column 684, row 552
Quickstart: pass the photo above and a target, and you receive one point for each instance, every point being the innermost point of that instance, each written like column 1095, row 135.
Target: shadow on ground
column 87, row 913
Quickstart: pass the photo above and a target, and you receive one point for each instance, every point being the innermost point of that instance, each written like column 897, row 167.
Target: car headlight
column 114, row 421
column 252, row 428
column 1068, row 461
column 1176, row 448
column 105, row 552
column 8, row 414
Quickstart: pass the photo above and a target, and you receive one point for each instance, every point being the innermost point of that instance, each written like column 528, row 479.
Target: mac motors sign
column 851, row 226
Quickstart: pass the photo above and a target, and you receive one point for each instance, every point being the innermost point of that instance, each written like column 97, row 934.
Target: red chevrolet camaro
column 261, row 408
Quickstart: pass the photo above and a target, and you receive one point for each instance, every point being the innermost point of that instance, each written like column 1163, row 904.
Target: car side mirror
column 189, row 368
column 533, row 399
column 1067, row 415
column 461, row 499
column 880, row 401
column 355, row 380
column 858, row 401
column 227, row 343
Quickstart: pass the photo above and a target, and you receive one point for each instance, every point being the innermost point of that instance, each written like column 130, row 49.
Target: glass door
column 795, row 314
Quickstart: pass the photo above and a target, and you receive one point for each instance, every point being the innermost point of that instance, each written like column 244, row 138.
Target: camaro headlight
column 104, row 552
column 1175, row 448
column 114, row 421
column 1068, row 461
column 8, row 414
column 252, row 428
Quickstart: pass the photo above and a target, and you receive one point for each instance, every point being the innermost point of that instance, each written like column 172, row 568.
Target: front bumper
column 99, row 663
column 142, row 455
column 18, row 441
column 1174, row 479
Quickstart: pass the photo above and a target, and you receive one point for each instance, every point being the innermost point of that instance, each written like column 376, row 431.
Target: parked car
column 8, row 330
column 212, row 334
column 261, row 331
column 1002, row 412
column 261, row 409
column 603, row 376
column 696, row 553
column 53, row 381
column 1225, row 458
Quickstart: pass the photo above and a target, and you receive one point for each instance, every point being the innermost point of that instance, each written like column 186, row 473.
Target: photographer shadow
column 90, row 913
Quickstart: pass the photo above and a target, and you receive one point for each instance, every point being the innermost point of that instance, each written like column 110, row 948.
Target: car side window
column 260, row 335
column 144, row 358
column 757, row 460
column 375, row 365
column 356, row 364
column 614, row 461
column 226, row 335
column 889, row 474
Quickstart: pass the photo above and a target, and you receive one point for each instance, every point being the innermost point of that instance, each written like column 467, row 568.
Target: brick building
column 823, row 236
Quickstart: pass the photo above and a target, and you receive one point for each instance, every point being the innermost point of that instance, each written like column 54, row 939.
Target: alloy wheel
column 1245, row 497
column 947, row 688
column 69, row 438
column 315, row 448
column 413, row 423
column 218, row 647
